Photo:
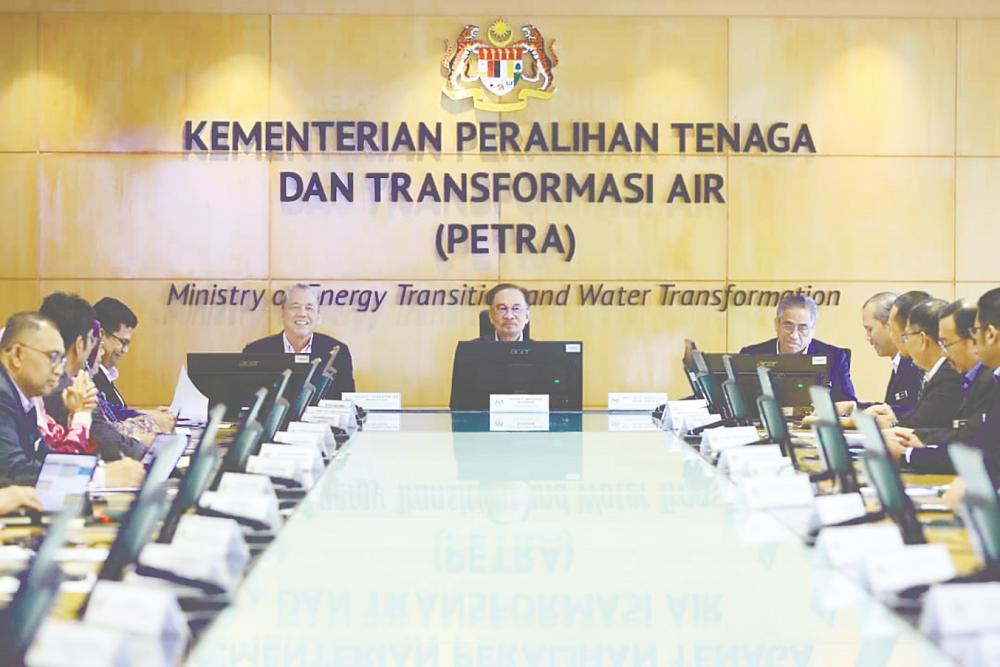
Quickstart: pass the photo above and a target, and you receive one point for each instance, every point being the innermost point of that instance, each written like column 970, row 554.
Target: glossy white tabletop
column 432, row 547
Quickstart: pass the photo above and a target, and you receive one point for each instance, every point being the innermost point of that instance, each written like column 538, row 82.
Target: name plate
column 688, row 421
column 260, row 510
column 765, row 460
column 282, row 468
column 912, row 565
column 715, row 440
column 847, row 546
column 383, row 421
column 646, row 401
column 199, row 564
column 322, row 431
column 838, row 507
column 224, row 535
column 626, row 423
column 341, row 419
column 302, row 439
column 507, row 421
column 238, row 483
column 140, row 610
column 61, row 642
column 336, row 403
column 952, row 610
column 770, row 492
column 519, row 403
column 308, row 456
column 377, row 400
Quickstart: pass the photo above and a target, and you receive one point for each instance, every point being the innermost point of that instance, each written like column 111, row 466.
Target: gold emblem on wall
column 503, row 74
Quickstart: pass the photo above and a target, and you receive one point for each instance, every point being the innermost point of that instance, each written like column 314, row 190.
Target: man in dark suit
column 509, row 313
column 795, row 326
column 31, row 364
column 904, row 381
column 940, row 398
column 924, row 450
column 907, row 378
column 300, row 316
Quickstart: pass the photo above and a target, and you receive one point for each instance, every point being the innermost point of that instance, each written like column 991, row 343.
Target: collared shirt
column 777, row 348
column 934, row 369
column 969, row 378
column 110, row 373
column 520, row 337
column 26, row 403
column 895, row 362
column 291, row 349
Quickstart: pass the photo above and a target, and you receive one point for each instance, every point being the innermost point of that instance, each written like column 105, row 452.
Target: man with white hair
column 300, row 316
column 795, row 326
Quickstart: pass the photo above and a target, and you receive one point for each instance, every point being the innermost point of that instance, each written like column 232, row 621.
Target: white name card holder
column 633, row 401
column 715, row 440
column 847, row 546
column 308, row 456
column 285, row 471
column 377, row 400
column 837, row 507
column 157, row 633
column 776, row 492
column 71, row 644
column 248, row 509
column 385, row 422
column 224, row 534
column 519, row 403
column 631, row 423
column 765, row 460
column 508, row 421
column 187, row 564
column 337, row 417
column 312, row 438
column 322, row 430
column 912, row 565
column 238, row 483
column 961, row 610
column 688, row 421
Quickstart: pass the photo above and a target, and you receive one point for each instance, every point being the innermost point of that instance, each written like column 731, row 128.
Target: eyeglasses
column 945, row 346
column 516, row 310
column 124, row 342
column 790, row 328
column 55, row 357
column 907, row 334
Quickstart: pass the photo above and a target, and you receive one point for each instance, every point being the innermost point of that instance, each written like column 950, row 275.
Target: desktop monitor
column 791, row 377
column 234, row 378
column 531, row 367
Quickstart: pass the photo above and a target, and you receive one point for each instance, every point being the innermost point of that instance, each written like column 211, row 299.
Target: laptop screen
column 63, row 480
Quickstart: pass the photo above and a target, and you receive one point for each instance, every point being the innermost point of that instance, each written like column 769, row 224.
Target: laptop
column 63, row 480
column 162, row 456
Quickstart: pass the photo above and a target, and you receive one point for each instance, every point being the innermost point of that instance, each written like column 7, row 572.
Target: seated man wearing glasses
column 940, row 398
column 509, row 313
column 299, row 318
column 795, row 326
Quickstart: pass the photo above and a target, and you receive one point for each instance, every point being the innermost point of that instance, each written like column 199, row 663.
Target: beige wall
column 902, row 101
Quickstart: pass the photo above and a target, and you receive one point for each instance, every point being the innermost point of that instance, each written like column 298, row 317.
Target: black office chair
column 486, row 329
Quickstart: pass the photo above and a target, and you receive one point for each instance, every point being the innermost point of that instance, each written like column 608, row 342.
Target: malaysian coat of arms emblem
column 480, row 70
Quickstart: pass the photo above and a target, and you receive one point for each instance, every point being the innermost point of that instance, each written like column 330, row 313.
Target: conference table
column 432, row 540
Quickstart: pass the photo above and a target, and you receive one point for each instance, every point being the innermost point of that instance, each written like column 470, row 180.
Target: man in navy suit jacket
column 795, row 325
column 300, row 315
column 32, row 357
column 906, row 379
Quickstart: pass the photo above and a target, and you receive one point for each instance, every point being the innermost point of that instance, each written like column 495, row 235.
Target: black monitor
column 234, row 378
column 791, row 377
column 531, row 367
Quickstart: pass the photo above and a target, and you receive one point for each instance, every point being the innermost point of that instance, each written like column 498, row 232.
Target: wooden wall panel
column 153, row 216
column 19, row 216
column 19, row 82
column 842, row 218
column 117, row 82
column 979, row 87
column 18, row 295
column 866, row 86
column 977, row 219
